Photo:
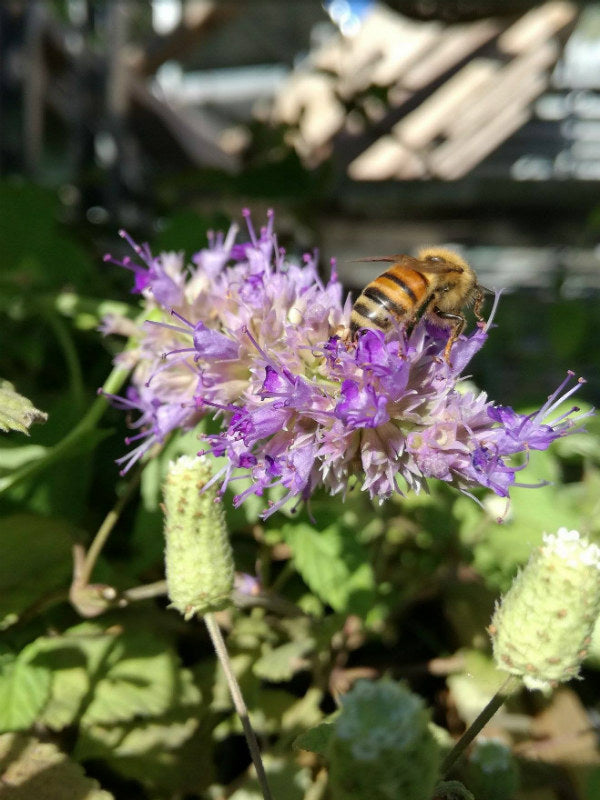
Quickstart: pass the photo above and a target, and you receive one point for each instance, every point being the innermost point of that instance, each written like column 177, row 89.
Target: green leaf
column 139, row 678
column 316, row 739
column 76, row 659
column 170, row 752
column 34, row 770
column 12, row 458
column 24, row 690
column 107, row 677
column 334, row 564
column 35, row 559
column 17, row 413
column 168, row 730
column 281, row 663
column 286, row 780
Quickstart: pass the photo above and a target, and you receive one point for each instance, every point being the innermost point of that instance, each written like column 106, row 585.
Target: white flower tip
column 572, row 547
column 186, row 462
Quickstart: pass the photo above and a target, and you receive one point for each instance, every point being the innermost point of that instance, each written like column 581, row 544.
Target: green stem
column 509, row 685
column 238, row 701
column 105, row 530
column 146, row 591
column 69, row 444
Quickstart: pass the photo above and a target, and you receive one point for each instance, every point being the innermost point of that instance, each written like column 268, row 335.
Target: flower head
column 542, row 628
column 254, row 338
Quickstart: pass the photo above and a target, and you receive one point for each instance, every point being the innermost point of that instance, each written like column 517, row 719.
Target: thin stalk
column 146, row 591
column 105, row 530
column 511, row 683
column 238, row 701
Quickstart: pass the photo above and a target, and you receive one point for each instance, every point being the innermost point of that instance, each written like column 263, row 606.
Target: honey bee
column 438, row 283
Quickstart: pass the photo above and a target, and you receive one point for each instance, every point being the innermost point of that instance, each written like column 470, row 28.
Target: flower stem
column 238, row 702
column 146, row 591
column 105, row 529
column 477, row 726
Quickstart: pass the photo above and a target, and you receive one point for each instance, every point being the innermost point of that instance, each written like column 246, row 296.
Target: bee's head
column 441, row 254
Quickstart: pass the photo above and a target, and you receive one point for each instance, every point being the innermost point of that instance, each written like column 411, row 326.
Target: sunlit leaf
column 139, row 677
column 169, row 752
column 281, row 663
column 334, row 564
column 17, row 413
column 34, row 770
column 24, row 690
column 76, row 659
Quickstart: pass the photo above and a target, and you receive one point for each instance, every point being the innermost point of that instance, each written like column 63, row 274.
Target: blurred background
column 371, row 128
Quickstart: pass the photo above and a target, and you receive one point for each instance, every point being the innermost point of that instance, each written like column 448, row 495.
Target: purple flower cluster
column 259, row 341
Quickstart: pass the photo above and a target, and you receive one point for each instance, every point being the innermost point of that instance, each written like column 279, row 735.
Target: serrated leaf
column 34, row 770
column 17, row 413
column 168, row 730
column 139, row 678
column 334, row 564
column 316, row 739
column 281, row 663
column 168, row 753
column 75, row 659
column 105, row 678
column 24, row 690
column 35, row 559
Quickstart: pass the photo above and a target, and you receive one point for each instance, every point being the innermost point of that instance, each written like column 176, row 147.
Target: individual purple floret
column 259, row 341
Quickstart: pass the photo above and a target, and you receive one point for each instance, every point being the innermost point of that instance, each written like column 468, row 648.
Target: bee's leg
column 457, row 324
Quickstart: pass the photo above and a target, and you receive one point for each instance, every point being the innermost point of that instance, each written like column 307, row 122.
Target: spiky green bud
column 382, row 747
column 492, row 772
column 198, row 557
column 541, row 629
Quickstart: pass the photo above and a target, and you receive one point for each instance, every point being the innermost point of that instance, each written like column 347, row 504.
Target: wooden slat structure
column 454, row 93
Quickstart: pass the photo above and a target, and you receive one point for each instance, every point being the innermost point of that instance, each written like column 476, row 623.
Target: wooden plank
column 420, row 126
column 387, row 158
column 455, row 45
column 537, row 26
column 456, row 157
column 508, row 83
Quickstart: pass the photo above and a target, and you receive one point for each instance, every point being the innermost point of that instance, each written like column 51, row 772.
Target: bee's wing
column 401, row 258
column 419, row 265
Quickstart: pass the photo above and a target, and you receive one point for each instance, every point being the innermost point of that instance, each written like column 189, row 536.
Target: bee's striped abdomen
column 396, row 295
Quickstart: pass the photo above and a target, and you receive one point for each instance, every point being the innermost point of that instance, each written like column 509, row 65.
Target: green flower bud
column 452, row 790
column 382, row 747
column 492, row 772
column 198, row 557
column 541, row 629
